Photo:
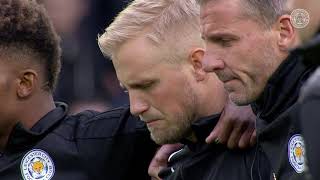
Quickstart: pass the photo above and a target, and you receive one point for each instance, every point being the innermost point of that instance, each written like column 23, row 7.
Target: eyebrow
column 138, row 84
column 221, row 34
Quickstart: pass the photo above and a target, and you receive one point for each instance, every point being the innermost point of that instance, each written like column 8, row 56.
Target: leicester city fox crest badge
column 296, row 153
column 37, row 165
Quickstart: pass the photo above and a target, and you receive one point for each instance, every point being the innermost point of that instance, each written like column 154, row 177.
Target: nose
column 212, row 64
column 137, row 104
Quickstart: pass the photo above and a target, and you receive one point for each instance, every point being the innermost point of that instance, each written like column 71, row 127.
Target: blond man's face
column 160, row 93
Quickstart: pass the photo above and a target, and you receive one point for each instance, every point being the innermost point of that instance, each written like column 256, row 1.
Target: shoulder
column 311, row 89
column 92, row 124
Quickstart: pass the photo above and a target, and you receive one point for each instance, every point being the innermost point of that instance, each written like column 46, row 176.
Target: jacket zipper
column 273, row 173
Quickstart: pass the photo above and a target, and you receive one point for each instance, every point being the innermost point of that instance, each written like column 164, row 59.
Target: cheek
column 6, row 88
column 169, row 100
column 167, row 103
column 245, row 58
column 206, row 59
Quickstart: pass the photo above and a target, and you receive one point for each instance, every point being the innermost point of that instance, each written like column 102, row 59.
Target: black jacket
column 111, row 145
column 279, row 134
column 201, row 161
column 310, row 108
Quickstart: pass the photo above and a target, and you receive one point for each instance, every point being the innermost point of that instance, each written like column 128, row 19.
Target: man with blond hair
column 157, row 53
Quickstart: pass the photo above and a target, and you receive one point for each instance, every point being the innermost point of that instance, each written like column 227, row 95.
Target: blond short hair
column 165, row 21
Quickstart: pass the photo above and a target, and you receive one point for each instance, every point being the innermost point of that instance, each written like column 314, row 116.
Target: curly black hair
column 25, row 24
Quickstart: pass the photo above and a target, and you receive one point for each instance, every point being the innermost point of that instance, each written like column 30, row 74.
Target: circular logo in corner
column 299, row 18
column 296, row 153
column 37, row 165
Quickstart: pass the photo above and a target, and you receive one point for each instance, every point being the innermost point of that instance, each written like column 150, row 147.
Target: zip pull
column 274, row 176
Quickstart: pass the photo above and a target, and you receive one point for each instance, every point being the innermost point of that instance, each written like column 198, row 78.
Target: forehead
column 138, row 59
column 9, row 62
column 19, row 56
column 227, row 17
column 221, row 6
column 214, row 12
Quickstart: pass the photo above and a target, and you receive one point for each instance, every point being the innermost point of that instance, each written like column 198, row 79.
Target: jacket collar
column 21, row 138
column 201, row 128
column 282, row 89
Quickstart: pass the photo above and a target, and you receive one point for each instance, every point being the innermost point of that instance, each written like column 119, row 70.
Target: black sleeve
column 310, row 122
column 143, row 151
column 133, row 140
column 117, row 145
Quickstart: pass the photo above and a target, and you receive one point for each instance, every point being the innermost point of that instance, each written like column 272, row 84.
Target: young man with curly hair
column 38, row 140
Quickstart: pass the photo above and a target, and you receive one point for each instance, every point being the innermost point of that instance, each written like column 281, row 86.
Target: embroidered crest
column 296, row 153
column 37, row 165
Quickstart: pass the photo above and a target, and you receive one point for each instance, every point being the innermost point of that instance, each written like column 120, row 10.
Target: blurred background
column 87, row 79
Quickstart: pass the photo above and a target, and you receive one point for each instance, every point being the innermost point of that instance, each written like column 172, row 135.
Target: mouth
column 226, row 80
column 229, row 80
column 151, row 122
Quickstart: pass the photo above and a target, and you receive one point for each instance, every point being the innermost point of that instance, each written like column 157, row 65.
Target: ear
column 287, row 33
column 195, row 58
column 27, row 82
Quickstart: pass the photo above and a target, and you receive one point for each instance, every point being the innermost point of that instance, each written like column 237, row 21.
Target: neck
column 36, row 111
column 3, row 140
column 192, row 137
column 212, row 98
column 28, row 112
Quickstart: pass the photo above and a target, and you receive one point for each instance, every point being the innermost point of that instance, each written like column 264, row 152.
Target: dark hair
column 24, row 24
column 265, row 11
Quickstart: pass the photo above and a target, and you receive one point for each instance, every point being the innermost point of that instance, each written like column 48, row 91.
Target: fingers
column 221, row 132
column 246, row 137
column 235, row 128
column 212, row 138
column 155, row 178
column 235, row 136
column 224, row 132
column 159, row 161
column 154, row 168
column 253, row 139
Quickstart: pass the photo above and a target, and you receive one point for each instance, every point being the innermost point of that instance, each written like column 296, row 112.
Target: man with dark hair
column 248, row 44
column 38, row 140
column 41, row 44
